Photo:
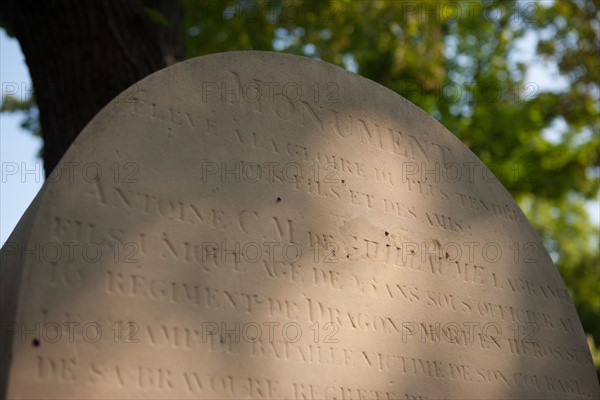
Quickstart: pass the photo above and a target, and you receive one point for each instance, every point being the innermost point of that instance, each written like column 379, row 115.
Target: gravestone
column 260, row 225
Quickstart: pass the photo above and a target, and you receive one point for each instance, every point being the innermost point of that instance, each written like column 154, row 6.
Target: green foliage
column 156, row 16
column 27, row 107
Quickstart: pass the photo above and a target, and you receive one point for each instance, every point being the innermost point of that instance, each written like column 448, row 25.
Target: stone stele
column 259, row 225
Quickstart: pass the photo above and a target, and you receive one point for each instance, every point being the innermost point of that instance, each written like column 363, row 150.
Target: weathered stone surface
column 258, row 225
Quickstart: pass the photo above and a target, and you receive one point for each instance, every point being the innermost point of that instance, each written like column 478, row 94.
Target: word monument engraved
column 258, row 225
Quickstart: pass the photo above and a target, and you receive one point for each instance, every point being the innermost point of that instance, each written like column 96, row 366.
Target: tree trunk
column 82, row 54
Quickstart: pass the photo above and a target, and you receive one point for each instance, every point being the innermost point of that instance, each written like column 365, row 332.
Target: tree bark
column 82, row 54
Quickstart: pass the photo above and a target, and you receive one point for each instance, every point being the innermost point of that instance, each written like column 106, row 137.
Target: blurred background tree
column 99, row 49
column 457, row 61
